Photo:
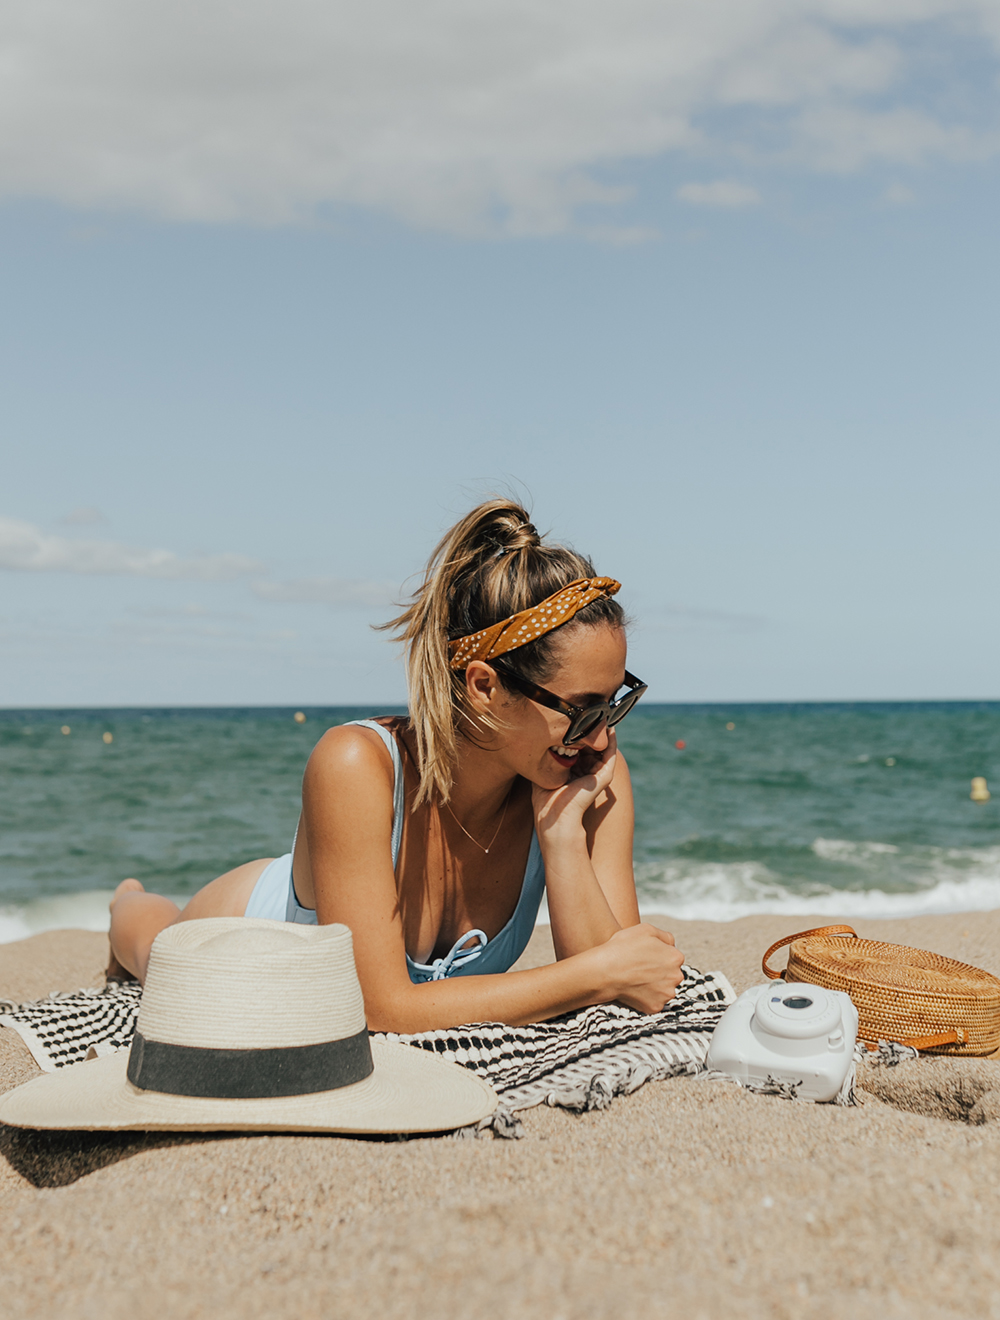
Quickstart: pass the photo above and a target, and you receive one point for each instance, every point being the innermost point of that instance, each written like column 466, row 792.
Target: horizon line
column 395, row 707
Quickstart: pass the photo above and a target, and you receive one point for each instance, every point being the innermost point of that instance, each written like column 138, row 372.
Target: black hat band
column 209, row 1074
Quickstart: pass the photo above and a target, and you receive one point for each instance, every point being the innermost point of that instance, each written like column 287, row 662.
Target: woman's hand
column 642, row 967
column 559, row 810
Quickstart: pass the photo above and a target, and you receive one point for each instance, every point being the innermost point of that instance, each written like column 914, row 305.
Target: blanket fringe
column 887, row 1054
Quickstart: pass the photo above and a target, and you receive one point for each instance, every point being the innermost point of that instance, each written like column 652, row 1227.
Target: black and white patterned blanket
column 64, row 1029
column 579, row 1061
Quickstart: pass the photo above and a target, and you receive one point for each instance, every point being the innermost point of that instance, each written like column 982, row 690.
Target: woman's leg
column 136, row 920
column 137, row 917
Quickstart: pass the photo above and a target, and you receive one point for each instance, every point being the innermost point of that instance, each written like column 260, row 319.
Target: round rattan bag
column 901, row 994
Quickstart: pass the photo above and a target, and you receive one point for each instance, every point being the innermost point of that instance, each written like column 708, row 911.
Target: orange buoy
column 680, row 744
column 980, row 791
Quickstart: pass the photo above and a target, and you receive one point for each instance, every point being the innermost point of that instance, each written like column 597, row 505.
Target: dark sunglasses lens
column 623, row 707
column 584, row 724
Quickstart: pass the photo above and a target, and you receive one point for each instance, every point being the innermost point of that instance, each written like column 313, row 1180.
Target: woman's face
column 590, row 668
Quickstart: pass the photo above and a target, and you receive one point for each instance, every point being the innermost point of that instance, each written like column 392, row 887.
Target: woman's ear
column 482, row 686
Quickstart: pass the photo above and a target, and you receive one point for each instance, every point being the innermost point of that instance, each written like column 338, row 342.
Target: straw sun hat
column 250, row 1025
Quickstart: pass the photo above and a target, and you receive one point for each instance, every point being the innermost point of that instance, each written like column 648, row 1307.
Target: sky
column 284, row 290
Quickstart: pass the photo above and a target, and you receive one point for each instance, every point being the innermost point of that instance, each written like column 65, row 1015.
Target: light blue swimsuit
column 274, row 896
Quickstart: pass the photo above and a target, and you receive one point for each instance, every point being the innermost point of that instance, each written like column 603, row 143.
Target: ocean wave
column 847, row 850
column 867, row 854
column 916, row 882
column 87, row 910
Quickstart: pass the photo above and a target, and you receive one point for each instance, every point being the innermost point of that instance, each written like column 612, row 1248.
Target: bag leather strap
column 957, row 1036
column 772, row 975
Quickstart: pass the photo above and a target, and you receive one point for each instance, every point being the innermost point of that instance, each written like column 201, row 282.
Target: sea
column 859, row 809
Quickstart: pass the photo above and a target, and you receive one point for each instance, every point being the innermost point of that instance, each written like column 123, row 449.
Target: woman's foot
column 126, row 886
column 115, row 971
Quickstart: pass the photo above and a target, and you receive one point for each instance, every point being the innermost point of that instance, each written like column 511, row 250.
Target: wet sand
column 689, row 1198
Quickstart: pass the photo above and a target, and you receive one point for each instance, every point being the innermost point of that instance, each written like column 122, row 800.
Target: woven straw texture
column 901, row 993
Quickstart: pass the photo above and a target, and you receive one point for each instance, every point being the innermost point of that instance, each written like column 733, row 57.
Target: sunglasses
column 583, row 720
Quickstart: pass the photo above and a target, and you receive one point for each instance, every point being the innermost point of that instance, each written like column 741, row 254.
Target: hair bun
column 510, row 537
column 525, row 536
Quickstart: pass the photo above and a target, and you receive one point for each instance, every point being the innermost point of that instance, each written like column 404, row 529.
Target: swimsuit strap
column 398, row 786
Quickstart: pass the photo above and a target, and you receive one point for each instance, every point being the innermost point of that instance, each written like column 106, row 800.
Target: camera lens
column 797, row 1001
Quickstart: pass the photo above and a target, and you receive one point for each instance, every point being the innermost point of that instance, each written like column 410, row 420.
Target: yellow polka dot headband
column 519, row 629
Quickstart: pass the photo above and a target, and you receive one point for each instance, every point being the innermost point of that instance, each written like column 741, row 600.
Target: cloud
column 85, row 516
column 488, row 117
column 25, row 548
column 326, row 591
column 724, row 193
column 845, row 138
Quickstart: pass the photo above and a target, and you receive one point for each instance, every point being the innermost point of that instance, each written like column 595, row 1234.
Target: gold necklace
column 496, row 832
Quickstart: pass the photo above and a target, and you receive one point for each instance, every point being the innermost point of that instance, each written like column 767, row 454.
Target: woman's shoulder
column 355, row 749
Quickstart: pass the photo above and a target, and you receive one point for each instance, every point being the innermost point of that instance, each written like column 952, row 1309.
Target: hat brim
column 409, row 1091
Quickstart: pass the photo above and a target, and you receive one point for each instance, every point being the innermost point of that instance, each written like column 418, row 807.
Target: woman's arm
column 585, row 833
column 639, row 967
column 347, row 810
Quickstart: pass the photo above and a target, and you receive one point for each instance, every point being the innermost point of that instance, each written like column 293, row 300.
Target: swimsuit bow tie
column 457, row 956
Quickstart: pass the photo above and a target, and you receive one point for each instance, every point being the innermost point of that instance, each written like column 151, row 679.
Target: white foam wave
column 913, row 858
column 937, row 881
column 84, row 911
column 846, row 850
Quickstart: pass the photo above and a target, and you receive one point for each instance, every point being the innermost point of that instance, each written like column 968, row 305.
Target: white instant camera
column 797, row 1034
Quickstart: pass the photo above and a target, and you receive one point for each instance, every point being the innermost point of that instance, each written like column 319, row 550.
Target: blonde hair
column 491, row 564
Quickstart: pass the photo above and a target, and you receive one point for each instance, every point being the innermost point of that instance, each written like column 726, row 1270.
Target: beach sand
column 688, row 1198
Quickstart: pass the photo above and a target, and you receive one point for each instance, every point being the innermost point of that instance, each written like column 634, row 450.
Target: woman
column 434, row 837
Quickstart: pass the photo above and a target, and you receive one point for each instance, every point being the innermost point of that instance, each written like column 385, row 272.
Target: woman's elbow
column 399, row 1013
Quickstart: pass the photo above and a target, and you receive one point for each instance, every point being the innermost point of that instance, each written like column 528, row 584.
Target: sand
column 689, row 1198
